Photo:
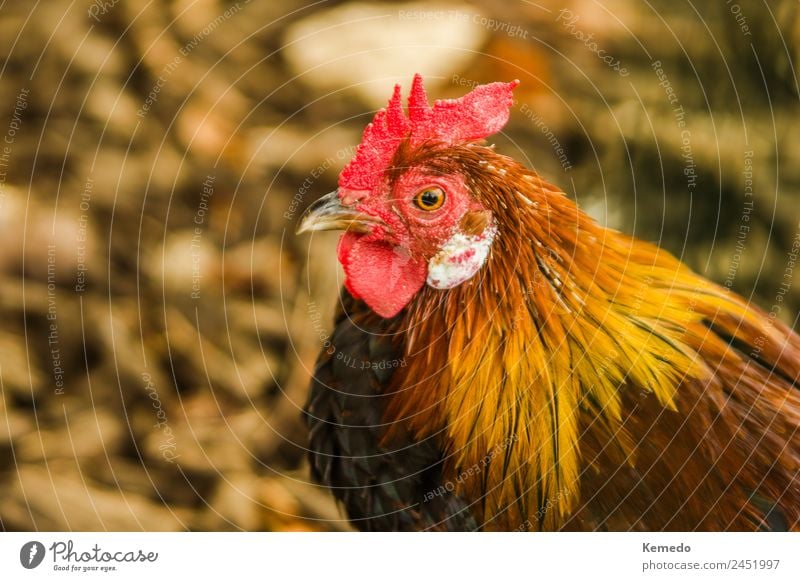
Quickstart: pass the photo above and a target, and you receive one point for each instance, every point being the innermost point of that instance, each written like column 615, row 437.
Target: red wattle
column 379, row 273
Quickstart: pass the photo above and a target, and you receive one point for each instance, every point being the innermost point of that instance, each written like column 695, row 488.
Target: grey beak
column 328, row 213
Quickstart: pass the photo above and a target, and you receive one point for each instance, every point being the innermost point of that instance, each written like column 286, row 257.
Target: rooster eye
column 429, row 199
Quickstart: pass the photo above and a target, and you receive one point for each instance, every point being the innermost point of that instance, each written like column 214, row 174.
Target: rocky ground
column 159, row 316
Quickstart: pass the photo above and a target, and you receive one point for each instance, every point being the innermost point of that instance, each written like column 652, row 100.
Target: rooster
column 500, row 361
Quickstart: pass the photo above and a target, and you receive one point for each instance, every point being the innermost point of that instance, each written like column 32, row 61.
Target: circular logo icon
column 31, row 554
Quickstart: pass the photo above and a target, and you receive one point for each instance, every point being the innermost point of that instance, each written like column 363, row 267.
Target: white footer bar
column 406, row 557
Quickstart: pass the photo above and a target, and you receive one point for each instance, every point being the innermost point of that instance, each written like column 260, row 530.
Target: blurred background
column 159, row 316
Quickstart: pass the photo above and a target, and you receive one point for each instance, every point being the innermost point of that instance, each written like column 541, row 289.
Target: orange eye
column 429, row 199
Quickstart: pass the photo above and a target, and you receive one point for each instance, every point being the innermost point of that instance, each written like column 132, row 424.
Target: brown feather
column 584, row 380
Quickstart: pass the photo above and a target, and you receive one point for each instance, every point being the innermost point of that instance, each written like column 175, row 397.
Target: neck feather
column 508, row 368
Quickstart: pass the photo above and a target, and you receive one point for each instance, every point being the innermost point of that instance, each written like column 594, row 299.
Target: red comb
column 476, row 115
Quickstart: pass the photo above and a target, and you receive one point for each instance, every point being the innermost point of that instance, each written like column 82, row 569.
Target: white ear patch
column 460, row 258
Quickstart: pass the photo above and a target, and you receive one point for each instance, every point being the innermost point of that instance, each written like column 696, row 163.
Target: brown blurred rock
column 13, row 425
column 436, row 39
column 57, row 497
column 18, row 376
column 188, row 264
column 197, row 437
column 235, row 504
column 88, row 435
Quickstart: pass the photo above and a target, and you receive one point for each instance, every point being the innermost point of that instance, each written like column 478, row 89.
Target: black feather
column 397, row 488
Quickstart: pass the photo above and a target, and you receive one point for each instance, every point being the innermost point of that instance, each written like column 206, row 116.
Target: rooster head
column 409, row 218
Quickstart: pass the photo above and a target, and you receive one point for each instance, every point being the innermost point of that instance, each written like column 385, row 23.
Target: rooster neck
column 583, row 379
column 563, row 315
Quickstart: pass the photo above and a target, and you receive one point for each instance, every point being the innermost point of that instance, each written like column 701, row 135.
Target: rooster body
column 501, row 362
